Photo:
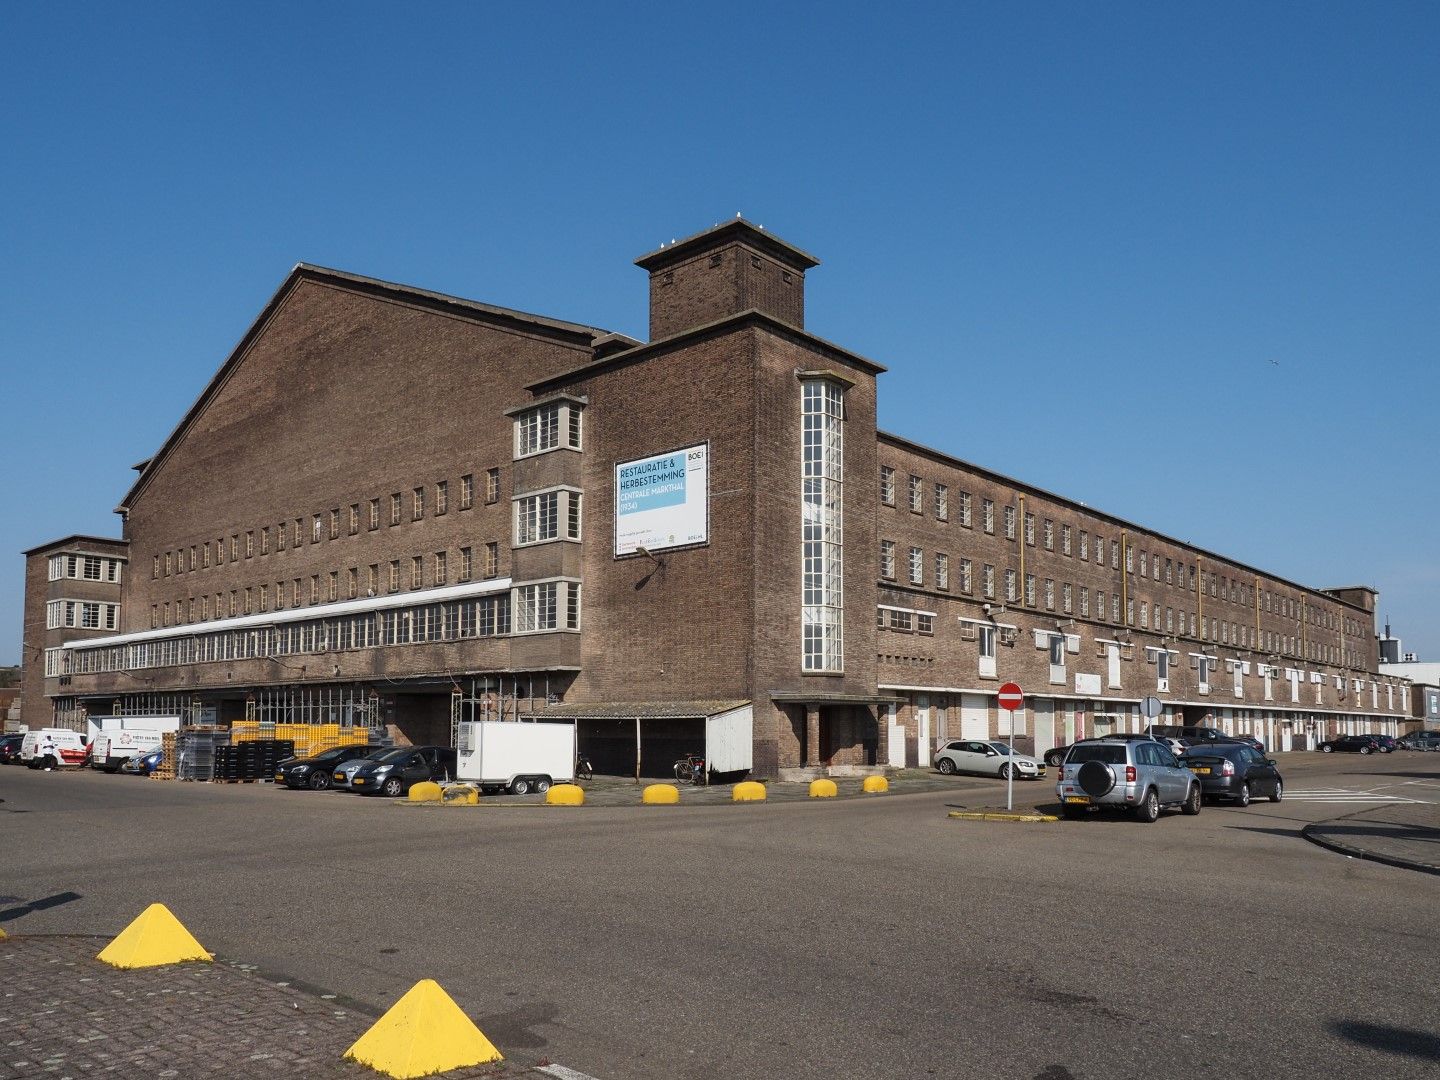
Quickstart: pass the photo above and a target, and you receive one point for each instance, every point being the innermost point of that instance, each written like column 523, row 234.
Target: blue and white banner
column 662, row 501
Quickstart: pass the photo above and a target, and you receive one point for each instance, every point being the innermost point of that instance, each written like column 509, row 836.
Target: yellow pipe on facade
column 1200, row 594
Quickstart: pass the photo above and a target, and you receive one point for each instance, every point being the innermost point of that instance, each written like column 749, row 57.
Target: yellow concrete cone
column 155, row 938
column 424, row 1032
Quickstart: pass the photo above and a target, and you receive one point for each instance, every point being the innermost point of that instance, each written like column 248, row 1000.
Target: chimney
column 723, row 271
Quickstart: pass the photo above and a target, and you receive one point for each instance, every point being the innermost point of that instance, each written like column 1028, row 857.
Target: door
column 1044, row 726
column 974, row 717
column 978, row 757
column 922, row 724
column 895, row 739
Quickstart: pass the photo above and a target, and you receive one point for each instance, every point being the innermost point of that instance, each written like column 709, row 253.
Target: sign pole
column 1010, row 773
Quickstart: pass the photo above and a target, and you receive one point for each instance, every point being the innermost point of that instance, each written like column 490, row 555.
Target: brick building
column 393, row 507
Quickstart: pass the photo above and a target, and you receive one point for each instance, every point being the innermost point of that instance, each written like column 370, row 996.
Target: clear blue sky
column 1179, row 262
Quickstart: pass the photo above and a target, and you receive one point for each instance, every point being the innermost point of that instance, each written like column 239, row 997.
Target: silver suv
column 1136, row 774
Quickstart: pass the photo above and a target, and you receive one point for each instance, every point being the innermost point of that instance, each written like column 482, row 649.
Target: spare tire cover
column 1096, row 778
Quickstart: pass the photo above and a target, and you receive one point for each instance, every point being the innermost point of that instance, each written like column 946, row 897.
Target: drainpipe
column 1124, row 577
column 1021, row 500
column 1200, row 594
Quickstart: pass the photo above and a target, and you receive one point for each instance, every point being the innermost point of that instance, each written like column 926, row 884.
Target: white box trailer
column 116, row 739
column 515, row 756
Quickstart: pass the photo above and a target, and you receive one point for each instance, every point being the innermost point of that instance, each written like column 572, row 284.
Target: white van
column 111, row 749
column 70, row 745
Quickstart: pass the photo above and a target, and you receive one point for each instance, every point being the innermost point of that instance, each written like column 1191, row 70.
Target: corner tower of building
column 723, row 271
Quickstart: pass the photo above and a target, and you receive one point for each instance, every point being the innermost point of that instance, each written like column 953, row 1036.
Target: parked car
column 143, row 764
column 1419, row 740
column 10, row 749
column 393, row 772
column 1235, row 771
column 986, row 758
column 1056, row 757
column 1136, row 774
column 315, row 772
column 1386, row 743
column 1250, row 741
column 1350, row 744
column 1188, row 735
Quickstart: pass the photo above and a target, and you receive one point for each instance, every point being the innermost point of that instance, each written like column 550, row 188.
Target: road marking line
column 560, row 1072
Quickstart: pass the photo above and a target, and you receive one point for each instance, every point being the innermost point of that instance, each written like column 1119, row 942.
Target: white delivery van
column 115, row 739
column 515, row 756
column 69, row 745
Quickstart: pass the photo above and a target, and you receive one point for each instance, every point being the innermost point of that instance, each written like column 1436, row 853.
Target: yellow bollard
column 748, row 791
column 426, row 791
column 875, row 785
column 823, row 789
column 458, row 795
column 565, row 795
column 660, row 795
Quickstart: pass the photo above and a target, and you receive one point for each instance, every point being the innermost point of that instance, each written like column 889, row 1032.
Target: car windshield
column 398, row 753
column 1002, row 747
column 1109, row 753
column 1232, row 750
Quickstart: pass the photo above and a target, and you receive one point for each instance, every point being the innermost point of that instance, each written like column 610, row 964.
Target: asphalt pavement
column 866, row 937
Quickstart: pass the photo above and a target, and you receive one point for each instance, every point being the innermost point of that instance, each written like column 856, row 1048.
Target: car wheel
column 319, row 781
column 520, row 787
column 1327, row 749
column 1006, row 770
column 542, row 785
column 393, row 786
column 1149, row 809
column 1384, row 749
column 1243, row 798
column 1364, row 749
column 1192, row 801
column 1278, row 793
column 946, row 766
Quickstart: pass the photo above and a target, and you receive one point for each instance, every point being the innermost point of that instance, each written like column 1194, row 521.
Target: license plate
column 357, row 781
column 1080, row 800
column 340, row 776
column 1200, row 770
column 279, row 777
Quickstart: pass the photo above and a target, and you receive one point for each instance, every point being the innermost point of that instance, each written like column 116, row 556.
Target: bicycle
column 583, row 769
column 692, row 768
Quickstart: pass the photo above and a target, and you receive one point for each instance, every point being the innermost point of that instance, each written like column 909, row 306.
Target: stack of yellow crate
column 309, row 739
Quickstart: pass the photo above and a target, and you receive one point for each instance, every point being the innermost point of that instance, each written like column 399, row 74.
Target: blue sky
column 1177, row 262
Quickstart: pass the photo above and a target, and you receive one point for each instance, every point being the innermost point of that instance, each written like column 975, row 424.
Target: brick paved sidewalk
column 65, row 1014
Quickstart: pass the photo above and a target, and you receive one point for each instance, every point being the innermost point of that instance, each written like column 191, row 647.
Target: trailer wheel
column 542, row 784
column 520, row 786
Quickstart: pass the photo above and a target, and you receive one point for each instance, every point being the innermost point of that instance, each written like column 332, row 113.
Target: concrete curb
column 990, row 815
column 1310, row 832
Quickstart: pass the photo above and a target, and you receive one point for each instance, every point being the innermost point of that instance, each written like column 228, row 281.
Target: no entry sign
column 1011, row 698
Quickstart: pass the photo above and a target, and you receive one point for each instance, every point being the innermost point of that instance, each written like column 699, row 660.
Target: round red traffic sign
column 1010, row 697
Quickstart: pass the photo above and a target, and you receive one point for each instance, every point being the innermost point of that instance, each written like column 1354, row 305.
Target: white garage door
column 974, row 716
column 1044, row 725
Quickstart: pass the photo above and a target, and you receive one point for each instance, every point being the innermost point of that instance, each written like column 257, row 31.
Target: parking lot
column 864, row 937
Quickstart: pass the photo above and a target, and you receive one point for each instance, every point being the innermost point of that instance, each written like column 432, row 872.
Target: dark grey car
column 1235, row 771
column 1124, row 774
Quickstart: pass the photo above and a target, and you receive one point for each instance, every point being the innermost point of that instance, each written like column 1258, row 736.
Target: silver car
column 342, row 774
column 1137, row 774
column 988, row 758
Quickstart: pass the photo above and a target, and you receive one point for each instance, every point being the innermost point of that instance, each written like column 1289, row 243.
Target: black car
column 1386, row 743
column 10, row 749
column 1351, row 744
column 314, row 772
column 393, row 772
column 1056, row 756
column 1234, row 771
column 1419, row 740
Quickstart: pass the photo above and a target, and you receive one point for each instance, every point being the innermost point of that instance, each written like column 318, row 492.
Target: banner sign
column 663, row 501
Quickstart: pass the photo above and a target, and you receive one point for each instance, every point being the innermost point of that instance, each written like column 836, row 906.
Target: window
column 1067, row 598
column 924, row 624
column 394, row 575
column 987, row 511
column 821, row 520
column 354, row 518
column 887, row 485
column 1056, row 645
column 1115, row 554
column 539, row 429
column 1144, row 615
column 1162, row 670
column 1130, row 611
column 572, row 516
column 535, row 607
column 1100, row 605
column 417, row 504
column 467, row 564
column 492, row 559
column 917, row 494
column 333, row 592
column 1049, row 594
column 372, row 579
column 1064, row 539
column 374, row 514
column 492, row 485
column 440, row 568
column 417, row 571
column 901, row 621
column 1009, row 523
column 573, row 436
column 942, row 570
column 1012, row 586
column 985, row 644
column 887, row 559
column 987, row 581
column 396, row 506
column 314, row 589
column 967, row 582
column 1115, row 607
column 264, row 546
column 154, row 567
column 442, row 498
column 1029, row 590
column 249, row 545
column 1084, row 544
column 942, row 503
column 963, row 499
column 537, row 518
column 317, row 529
column 917, row 566
column 1144, row 565
column 352, row 582
column 572, row 601
column 1048, row 534
column 1084, row 602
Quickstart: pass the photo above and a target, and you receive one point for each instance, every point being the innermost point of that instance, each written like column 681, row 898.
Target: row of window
column 396, row 577
column 323, row 526
column 82, row 615
column 1078, row 542
column 1062, row 597
column 85, row 568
